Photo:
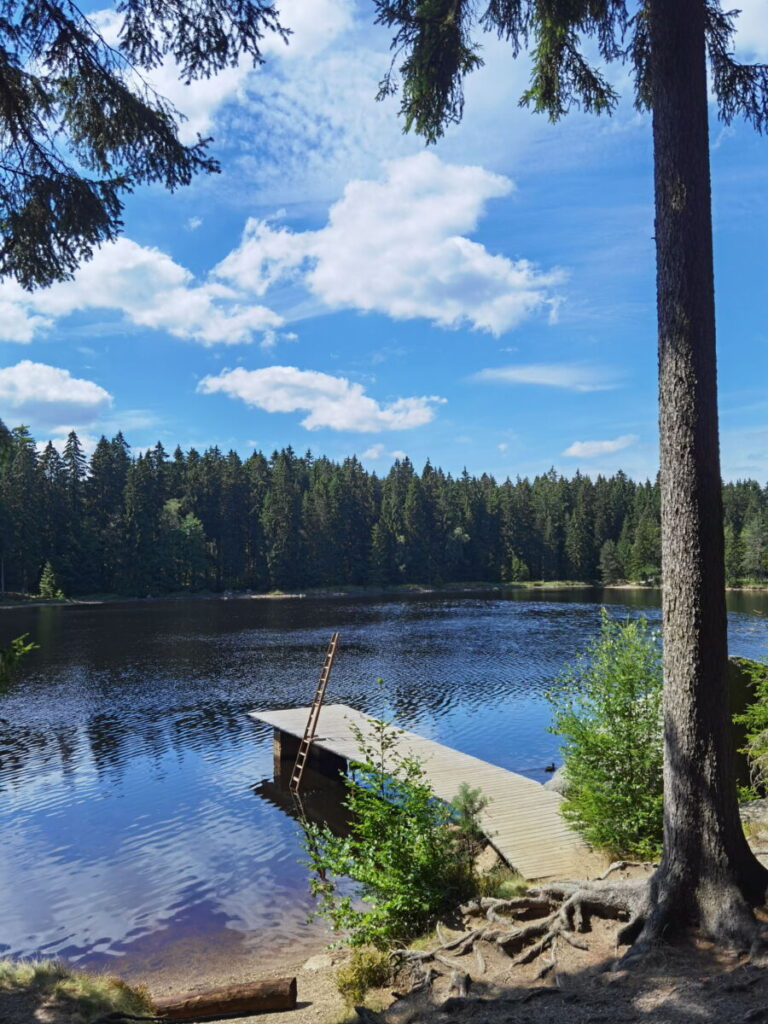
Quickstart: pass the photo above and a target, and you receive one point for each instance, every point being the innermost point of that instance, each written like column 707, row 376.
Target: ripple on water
column 130, row 824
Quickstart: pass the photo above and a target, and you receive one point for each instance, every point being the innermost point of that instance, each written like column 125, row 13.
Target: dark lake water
column 133, row 829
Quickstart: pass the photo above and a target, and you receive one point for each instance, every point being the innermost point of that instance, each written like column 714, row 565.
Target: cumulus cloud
column 150, row 289
column 592, row 449
column 333, row 402
column 398, row 246
column 49, row 395
column 554, row 375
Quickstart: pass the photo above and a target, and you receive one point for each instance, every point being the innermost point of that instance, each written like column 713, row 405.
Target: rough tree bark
column 708, row 875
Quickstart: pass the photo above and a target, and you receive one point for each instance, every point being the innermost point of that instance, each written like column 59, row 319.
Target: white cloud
column 502, row 446
column 399, row 247
column 378, row 451
column 553, row 375
column 592, row 449
column 374, row 452
column 193, row 223
column 751, row 42
column 150, row 289
column 49, row 395
column 333, row 402
column 314, row 25
column 199, row 101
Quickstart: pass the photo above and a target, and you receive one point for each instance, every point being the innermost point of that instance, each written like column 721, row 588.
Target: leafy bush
column 368, row 968
column 607, row 708
column 11, row 655
column 755, row 719
column 409, row 859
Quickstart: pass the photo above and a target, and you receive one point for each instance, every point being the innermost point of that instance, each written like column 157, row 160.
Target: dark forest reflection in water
column 127, row 763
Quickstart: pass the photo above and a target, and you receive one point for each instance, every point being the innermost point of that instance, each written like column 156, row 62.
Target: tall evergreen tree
column 24, row 510
column 708, row 876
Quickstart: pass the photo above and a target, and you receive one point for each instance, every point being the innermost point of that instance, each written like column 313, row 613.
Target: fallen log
column 232, row 1001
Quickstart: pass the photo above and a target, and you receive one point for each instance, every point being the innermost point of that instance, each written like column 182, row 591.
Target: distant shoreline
column 295, row 595
column 314, row 593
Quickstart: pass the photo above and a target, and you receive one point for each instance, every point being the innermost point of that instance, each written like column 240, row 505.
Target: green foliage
column 409, row 861
column 11, row 655
column 76, row 996
column 81, row 127
column 367, row 969
column 49, row 586
column 610, row 567
column 755, row 719
column 569, row 45
column 211, row 521
column 607, row 709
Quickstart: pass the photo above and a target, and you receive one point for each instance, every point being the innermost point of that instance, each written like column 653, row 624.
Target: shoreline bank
column 324, row 593
column 316, row 593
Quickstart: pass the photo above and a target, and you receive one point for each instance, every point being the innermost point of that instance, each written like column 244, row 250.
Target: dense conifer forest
column 157, row 523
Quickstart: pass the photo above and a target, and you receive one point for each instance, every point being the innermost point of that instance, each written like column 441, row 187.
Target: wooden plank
column 522, row 820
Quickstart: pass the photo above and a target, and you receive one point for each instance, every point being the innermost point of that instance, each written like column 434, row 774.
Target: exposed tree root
column 526, row 926
column 622, row 865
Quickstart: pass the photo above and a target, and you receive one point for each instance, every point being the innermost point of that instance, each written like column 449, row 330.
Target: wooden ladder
column 314, row 714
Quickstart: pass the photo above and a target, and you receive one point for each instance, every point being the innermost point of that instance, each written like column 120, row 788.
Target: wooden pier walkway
column 522, row 820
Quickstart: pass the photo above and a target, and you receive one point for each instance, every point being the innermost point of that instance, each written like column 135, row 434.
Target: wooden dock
column 522, row 820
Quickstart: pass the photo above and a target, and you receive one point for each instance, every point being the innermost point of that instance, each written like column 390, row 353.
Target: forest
column 156, row 523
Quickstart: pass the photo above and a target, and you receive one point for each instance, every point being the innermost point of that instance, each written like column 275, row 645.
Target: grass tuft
column 502, row 882
column 83, row 997
column 367, row 968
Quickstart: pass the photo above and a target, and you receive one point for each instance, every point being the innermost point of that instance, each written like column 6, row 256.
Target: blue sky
column 488, row 302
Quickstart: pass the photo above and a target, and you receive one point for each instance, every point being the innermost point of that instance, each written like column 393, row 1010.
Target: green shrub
column 367, row 969
column 755, row 720
column 410, row 861
column 607, row 709
column 11, row 655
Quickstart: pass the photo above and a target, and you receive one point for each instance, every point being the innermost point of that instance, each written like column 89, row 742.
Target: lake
column 134, row 830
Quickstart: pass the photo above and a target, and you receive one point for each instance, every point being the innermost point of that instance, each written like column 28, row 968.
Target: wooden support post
column 284, row 750
column 320, row 764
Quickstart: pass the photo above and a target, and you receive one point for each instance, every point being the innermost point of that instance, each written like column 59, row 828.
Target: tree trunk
column 233, row 1001
column 708, row 876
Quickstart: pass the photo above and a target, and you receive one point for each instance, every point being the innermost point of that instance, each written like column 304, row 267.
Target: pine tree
column 708, row 876
column 24, row 511
column 49, row 586
column 80, row 127
column 610, row 567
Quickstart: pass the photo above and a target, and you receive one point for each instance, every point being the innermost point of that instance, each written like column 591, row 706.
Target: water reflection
column 127, row 761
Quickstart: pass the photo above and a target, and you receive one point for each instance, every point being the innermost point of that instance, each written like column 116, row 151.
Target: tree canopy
column 80, row 125
column 435, row 48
